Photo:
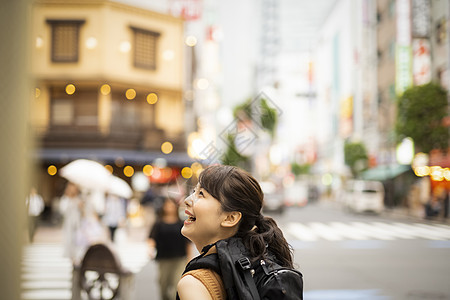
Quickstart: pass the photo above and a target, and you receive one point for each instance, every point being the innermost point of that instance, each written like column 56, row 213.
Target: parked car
column 364, row 196
column 297, row 194
column 273, row 197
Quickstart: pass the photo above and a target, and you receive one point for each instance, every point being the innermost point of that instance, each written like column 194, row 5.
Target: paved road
column 348, row 256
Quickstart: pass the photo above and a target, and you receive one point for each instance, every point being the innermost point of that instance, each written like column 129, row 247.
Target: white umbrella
column 119, row 187
column 87, row 174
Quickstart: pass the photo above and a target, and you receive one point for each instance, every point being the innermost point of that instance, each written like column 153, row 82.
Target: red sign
column 189, row 10
column 164, row 175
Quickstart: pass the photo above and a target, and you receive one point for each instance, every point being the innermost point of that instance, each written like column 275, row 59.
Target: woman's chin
column 185, row 231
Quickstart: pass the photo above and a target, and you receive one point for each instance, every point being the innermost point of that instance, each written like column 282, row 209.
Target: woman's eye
column 200, row 193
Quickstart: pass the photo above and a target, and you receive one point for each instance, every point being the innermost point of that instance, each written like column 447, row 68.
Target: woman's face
column 203, row 225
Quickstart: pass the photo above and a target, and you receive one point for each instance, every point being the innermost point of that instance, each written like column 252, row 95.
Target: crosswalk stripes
column 386, row 231
column 47, row 274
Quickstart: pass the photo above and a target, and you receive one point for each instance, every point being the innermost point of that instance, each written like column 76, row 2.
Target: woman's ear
column 231, row 219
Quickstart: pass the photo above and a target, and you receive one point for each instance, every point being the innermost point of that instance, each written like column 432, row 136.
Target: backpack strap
column 210, row 261
column 245, row 265
column 236, row 269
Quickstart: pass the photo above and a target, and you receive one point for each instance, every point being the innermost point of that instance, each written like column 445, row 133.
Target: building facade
column 109, row 87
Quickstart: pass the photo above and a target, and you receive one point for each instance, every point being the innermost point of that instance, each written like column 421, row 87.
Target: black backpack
column 262, row 280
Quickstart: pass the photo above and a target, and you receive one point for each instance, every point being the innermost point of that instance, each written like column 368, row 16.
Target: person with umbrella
column 115, row 213
column 70, row 208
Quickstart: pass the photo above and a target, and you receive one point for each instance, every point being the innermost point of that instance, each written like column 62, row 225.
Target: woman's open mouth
column 191, row 219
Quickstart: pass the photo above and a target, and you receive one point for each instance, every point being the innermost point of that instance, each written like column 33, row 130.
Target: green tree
column 420, row 114
column 232, row 156
column 265, row 115
column 269, row 118
column 298, row 169
column 355, row 156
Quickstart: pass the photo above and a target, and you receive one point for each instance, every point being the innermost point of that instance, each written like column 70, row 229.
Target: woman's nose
column 189, row 201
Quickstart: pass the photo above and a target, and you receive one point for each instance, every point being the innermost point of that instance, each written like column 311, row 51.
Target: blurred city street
column 343, row 256
column 110, row 109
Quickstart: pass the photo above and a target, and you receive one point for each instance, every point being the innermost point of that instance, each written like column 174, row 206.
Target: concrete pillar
column 15, row 149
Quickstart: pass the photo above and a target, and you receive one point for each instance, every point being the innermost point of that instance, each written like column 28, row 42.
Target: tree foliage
column 260, row 112
column 298, row 169
column 232, row 156
column 355, row 156
column 420, row 114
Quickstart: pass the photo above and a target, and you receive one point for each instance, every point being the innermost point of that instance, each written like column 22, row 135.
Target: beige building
column 386, row 43
column 109, row 85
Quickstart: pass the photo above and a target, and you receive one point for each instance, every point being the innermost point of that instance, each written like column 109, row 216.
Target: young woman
column 227, row 203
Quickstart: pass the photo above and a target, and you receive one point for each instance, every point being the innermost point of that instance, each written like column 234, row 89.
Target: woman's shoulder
column 191, row 288
column 202, row 284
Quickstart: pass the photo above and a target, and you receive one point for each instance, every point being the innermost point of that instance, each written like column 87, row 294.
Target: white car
column 364, row 196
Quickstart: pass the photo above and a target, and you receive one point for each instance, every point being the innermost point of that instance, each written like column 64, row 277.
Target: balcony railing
column 146, row 139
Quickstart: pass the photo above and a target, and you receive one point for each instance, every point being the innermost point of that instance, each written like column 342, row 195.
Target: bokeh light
column 52, row 170
column 191, row 41
column 152, row 98
column 128, row 171
column 119, row 161
column 109, row 168
column 70, row 89
column 125, row 47
column 91, row 43
column 105, row 89
column 130, row 94
column 327, row 179
column 186, row 172
column 202, row 83
column 166, row 147
column 148, row 170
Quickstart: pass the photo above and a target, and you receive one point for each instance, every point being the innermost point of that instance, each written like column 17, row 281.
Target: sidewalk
column 48, row 233
column 145, row 281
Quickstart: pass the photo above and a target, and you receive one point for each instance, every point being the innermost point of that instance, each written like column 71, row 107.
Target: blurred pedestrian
column 169, row 248
column 35, row 206
column 434, row 207
column 115, row 213
column 70, row 208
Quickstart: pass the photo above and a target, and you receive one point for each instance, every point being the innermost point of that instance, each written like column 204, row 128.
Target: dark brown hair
column 238, row 191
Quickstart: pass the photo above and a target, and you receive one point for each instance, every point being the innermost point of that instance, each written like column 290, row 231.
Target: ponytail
column 267, row 237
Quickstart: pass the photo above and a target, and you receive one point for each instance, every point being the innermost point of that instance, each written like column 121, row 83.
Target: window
column 392, row 49
column 441, row 31
column 62, row 112
column 79, row 109
column 379, row 55
column 65, row 35
column 379, row 16
column 145, row 46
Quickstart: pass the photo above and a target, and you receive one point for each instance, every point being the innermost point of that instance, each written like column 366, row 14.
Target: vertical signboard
column 403, row 57
column 403, row 73
column 421, row 61
column 421, row 22
column 421, row 30
column 346, row 117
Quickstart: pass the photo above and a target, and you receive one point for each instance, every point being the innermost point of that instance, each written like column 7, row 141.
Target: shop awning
column 110, row 155
column 385, row 172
